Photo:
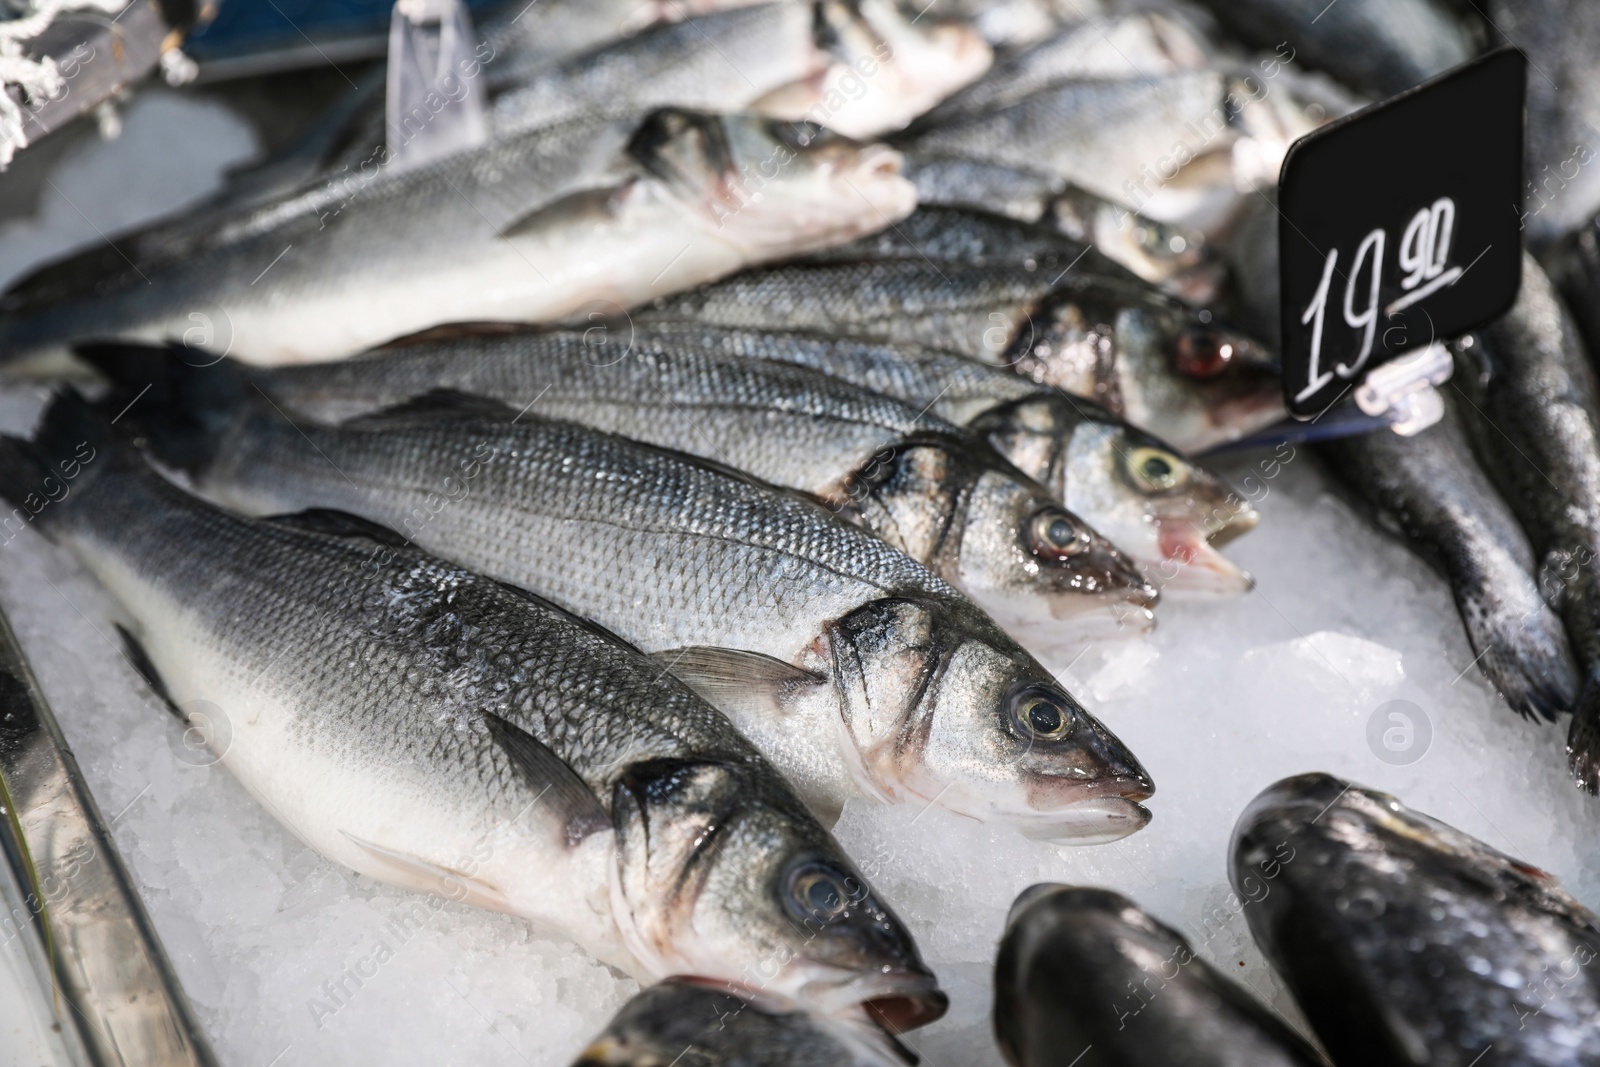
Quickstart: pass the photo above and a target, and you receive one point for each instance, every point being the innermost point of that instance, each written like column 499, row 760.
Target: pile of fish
column 571, row 524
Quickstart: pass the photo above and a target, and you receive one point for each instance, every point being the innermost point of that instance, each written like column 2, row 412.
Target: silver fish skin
column 1016, row 23
column 1409, row 942
column 1138, row 352
column 1105, row 135
column 685, row 1022
column 1175, row 258
column 1169, row 514
column 442, row 732
column 526, row 229
column 1430, row 490
column 860, row 68
column 928, row 488
column 853, row 668
column 1529, row 385
column 1378, row 46
column 1137, row 44
column 1086, row 972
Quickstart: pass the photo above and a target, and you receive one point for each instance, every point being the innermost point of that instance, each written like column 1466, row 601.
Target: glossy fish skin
column 1380, row 46
column 1534, row 420
column 440, row 731
column 689, row 1024
column 1141, row 354
column 853, row 668
column 1408, row 942
column 1174, row 258
column 1168, row 514
column 860, row 68
column 1138, row 44
column 1087, row 972
column 526, row 229
column 1430, row 489
column 1104, row 135
column 936, row 493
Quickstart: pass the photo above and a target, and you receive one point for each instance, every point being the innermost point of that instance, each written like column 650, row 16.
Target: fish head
column 1169, row 514
column 1163, row 254
column 768, row 186
column 661, row 1022
column 1005, row 540
column 1150, row 359
column 721, row 877
column 886, row 68
column 940, row 707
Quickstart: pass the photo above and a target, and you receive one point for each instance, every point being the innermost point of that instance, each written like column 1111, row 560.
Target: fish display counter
column 777, row 534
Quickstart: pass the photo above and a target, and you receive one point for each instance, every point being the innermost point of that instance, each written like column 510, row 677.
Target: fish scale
column 444, row 732
column 854, row 668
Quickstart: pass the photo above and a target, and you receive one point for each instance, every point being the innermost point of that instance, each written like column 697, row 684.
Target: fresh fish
column 1574, row 265
column 927, row 487
column 1162, row 366
column 860, row 67
column 1408, row 942
column 1379, row 46
column 855, row 669
column 1173, row 257
column 1430, row 490
column 685, row 1023
column 1087, row 976
column 1168, row 514
column 1110, row 136
column 1138, row 44
column 527, row 229
column 442, row 732
column 1534, row 419
column 1014, row 23
column 1560, row 39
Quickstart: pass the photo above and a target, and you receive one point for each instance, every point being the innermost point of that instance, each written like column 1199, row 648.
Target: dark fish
column 685, row 1023
column 443, row 732
column 1430, row 489
column 1379, row 46
column 1087, row 977
column 1408, row 942
column 1534, row 419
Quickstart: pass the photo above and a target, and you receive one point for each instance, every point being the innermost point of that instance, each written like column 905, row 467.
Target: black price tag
column 1401, row 225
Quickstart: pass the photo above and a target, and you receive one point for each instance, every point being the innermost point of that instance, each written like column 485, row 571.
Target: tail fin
column 177, row 401
column 71, row 447
column 1583, row 738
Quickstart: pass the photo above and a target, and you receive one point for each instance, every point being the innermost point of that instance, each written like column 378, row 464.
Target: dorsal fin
column 430, row 406
column 558, row 786
column 335, row 523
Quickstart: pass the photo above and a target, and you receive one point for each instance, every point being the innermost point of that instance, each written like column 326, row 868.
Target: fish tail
column 1583, row 738
column 177, row 401
column 38, row 478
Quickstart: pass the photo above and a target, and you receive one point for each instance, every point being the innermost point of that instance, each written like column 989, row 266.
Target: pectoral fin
column 738, row 681
column 411, row 872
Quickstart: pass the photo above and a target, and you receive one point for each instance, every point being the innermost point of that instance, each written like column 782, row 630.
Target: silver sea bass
column 854, row 668
column 935, row 492
column 442, row 732
column 525, row 229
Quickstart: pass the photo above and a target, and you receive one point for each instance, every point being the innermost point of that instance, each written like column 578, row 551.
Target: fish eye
column 1057, row 534
column 818, row 891
column 1156, row 470
column 1201, row 353
column 1041, row 715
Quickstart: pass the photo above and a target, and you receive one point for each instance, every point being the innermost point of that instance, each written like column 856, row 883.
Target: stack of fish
column 579, row 520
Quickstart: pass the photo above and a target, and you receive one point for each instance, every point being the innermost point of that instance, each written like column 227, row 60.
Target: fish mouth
column 1200, row 567
column 899, row 999
column 1095, row 821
